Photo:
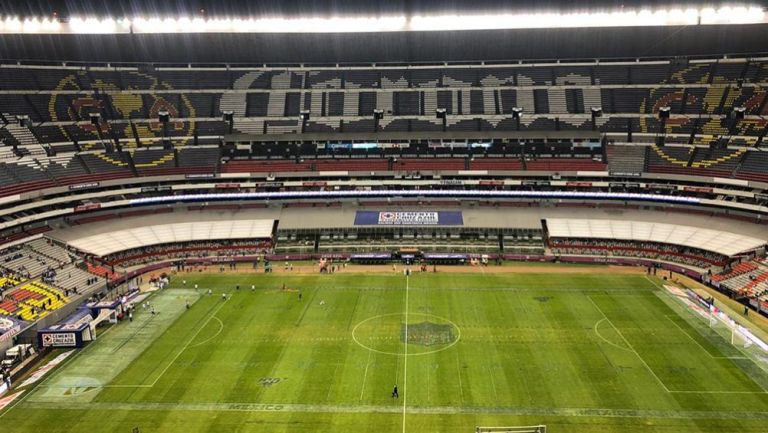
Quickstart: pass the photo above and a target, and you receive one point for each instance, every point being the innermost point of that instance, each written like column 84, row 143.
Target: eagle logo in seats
column 141, row 99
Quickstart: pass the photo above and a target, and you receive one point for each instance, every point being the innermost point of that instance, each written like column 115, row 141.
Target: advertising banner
column 58, row 339
column 409, row 218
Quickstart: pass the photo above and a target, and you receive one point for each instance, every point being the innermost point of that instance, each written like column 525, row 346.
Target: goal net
column 513, row 429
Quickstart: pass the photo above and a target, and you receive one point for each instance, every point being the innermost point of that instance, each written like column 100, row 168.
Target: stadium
column 309, row 216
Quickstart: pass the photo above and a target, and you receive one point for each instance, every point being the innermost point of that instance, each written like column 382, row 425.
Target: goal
column 513, row 429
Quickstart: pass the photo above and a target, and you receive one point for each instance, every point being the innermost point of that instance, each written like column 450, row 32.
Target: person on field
column 394, row 393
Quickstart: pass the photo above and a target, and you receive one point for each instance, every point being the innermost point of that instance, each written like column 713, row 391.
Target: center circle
column 386, row 334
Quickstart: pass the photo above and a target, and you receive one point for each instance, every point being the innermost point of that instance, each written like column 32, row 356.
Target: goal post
column 513, row 429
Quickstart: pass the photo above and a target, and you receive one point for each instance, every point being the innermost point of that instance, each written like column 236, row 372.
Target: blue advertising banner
column 445, row 256
column 408, row 218
column 371, row 256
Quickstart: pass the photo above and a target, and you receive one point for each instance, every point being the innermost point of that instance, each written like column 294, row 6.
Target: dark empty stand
column 65, row 166
column 626, row 159
column 464, row 125
column 425, row 77
column 398, row 125
column 195, row 79
column 106, row 163
column 323, row 80
column 257, row 104
column 649, row 74
column 754, row 167
column 362, row 79
column 611, row 74
column 319, row 127
column 703, row 161
column 535, row 76
column 191, row 157
column 259, row 166
column 363, row 164
column 50, row 134
column 729, row 72
column 211, row 128
column 17, row 79
column 154, row 161
column 16, row 105
column 629, row 100
column 563, row 164
column 425, row 125
column 460, row 77
column 496, row 164
column 431, row 164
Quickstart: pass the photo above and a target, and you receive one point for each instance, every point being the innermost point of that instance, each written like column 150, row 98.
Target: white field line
column 629, row 345
column 205, row 323
column 699, row 344
column 365, row 374
column 48, row 377
column 405, row 358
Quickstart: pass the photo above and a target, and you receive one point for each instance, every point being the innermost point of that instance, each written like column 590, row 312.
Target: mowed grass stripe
column 529, row 353
column 680, row 363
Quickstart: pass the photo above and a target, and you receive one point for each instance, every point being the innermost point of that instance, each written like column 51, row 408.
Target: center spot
column 389, row 333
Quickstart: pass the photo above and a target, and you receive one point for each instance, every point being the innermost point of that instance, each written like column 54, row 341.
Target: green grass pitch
column 580, row 353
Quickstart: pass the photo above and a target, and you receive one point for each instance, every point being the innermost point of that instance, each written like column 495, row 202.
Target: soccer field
column 588, row 352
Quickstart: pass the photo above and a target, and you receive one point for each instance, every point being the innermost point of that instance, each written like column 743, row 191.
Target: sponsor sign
column 491, row 183
column 409, row 218
column 269, row 184
column 535, row 182
column 227, row 185
column 663, row 186
column 314, row 183
column 446, row 256
column 579, row 184
column 8, row 328
column 37, row 375
column 625, row 174
column 703, row 189
column 84, row 186
column 7, row 334
column 155, row 188
column 624, row 185
column 7, row 400
column 59, row 339
column 200, row 176
column 369, row 256
column 87, row 207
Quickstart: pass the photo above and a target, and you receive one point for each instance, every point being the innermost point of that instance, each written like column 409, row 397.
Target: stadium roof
column 396, row 31
column 229, row 8
column 717, row 241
